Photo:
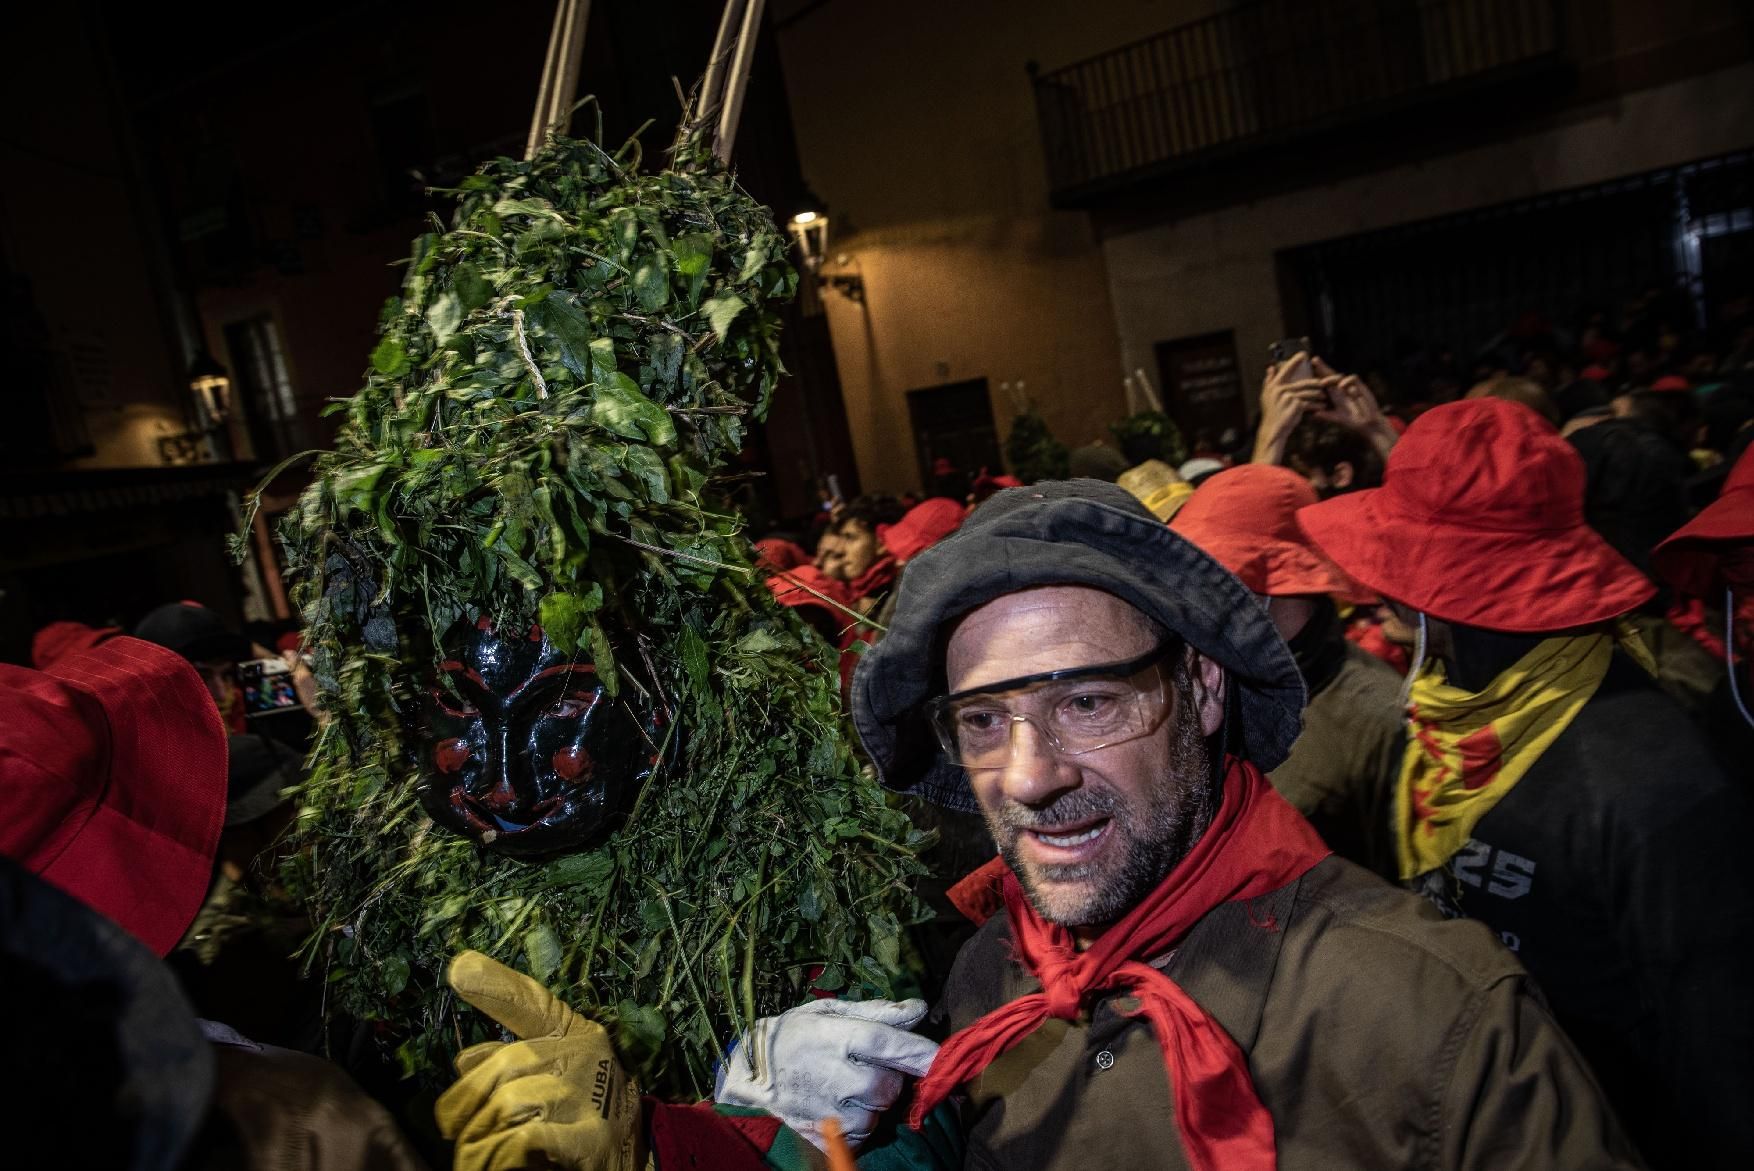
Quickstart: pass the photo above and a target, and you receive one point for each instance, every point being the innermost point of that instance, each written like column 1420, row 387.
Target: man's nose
column 1035, row 772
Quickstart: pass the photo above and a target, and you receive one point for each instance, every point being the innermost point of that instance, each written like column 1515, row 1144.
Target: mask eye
column 571, row 707
column 451, row 705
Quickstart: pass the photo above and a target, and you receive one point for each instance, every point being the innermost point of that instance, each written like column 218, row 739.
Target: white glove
column 839, row 1059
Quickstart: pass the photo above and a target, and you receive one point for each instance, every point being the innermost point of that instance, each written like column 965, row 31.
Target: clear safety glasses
column 1075, row 711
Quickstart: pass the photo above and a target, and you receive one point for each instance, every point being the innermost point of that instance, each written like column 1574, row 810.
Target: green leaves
column 390, row 358
column 569, row 330
column 542, row 953
column 444, row 316
column 586, row 870
column 694, row 254
column 651, row 282
column 722, row 310
column 622, row 409
column 567, row 369
column 564, row 615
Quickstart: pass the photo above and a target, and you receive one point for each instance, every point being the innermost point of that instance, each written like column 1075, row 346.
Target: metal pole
column 712, row 84
column 731, row 110
column 560, row 72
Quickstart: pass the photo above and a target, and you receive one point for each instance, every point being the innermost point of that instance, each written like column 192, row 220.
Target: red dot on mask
column 451, row 755
column 571, row 763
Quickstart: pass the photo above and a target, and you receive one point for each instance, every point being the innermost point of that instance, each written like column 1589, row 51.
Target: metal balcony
column 1272, row 72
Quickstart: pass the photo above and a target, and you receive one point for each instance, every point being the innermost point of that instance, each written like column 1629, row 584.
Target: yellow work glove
column 556, row 1097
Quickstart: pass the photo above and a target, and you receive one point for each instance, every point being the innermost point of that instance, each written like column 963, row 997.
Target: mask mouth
column 484, row 819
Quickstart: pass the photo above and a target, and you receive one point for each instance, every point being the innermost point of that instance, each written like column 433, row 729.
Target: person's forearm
column 1269, row 449
column 1382, row 436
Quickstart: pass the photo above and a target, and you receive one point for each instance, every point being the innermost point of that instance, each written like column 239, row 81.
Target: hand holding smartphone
column 1292, row 349
column 268, row 687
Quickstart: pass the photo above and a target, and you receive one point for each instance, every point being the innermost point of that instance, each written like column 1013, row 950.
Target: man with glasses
column 1172, row 970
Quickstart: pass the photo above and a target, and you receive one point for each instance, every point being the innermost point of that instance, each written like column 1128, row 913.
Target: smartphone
column 1287, row 349
column 267, row 686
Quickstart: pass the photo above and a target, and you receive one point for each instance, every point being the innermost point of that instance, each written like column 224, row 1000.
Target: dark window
column 263, row 389
column 953, row 422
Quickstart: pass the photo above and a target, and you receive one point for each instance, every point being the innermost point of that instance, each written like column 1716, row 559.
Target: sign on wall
column 1202, row 384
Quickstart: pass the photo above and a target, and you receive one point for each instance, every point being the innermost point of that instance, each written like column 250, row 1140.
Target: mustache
column 1076, row 805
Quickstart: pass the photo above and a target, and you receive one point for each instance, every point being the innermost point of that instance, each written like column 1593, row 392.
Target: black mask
column 1320, row 647
column 525, row 752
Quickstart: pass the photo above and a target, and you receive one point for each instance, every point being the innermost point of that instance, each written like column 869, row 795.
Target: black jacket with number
column 1617, row 871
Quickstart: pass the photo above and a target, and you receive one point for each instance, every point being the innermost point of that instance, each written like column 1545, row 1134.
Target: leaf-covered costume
column 568, row 365
column 1033, row 452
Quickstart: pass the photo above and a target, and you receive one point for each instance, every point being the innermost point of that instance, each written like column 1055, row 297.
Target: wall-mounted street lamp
column 210, row 388
column 810, row 229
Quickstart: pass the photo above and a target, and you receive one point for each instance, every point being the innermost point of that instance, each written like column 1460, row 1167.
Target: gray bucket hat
column 1072, row 532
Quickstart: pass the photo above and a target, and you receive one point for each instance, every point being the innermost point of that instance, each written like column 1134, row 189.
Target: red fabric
column 292, row 640
column 112, row 783
column 980, row 895
column 1370, row 638
column 1671, row 384
column 1480, row 521
column 1597, row 374
column 923, row 526
column 1256, row 844
column 1692, row 557
column 876, row 579
column 1246, row 519
column 1688, row 616
column 780, row 555
column 696, row 1136
column 57, row 640
column 986, row 484
column 855, row 633
column 801, row 585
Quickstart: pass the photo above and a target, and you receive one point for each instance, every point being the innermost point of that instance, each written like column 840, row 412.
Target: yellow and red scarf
column 1466, row 750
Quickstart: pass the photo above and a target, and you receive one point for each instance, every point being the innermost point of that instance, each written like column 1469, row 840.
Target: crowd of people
column 1374, row 801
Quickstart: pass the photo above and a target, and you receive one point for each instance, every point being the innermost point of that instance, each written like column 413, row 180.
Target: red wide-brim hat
column 113, row 782
column 1480, row 521
column 924, row 525
column 1246, row 519
column 1691, row 557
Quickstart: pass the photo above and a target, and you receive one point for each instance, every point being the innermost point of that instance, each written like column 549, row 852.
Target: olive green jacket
column 1343, row 769
column 1378, row 1034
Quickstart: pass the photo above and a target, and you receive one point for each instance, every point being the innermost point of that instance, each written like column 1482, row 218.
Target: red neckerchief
column 1256, row 844
column 875, row 579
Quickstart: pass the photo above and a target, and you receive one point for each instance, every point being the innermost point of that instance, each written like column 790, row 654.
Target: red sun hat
column 793, row 588
column 112, row 783
column 1246, row 518
column 1691, row 558
column 924, row 525
column 1480, row 521
column 57, row 640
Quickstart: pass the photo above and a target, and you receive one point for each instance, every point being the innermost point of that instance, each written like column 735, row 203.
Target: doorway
column 953, row 422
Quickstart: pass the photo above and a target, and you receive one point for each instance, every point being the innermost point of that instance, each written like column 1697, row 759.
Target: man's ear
column 1209, row 685
column 1342, row 477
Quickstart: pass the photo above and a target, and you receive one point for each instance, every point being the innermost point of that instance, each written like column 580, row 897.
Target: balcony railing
column 1272, row 70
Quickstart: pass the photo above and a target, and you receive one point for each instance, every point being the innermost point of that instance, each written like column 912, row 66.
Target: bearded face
column 521, row 749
